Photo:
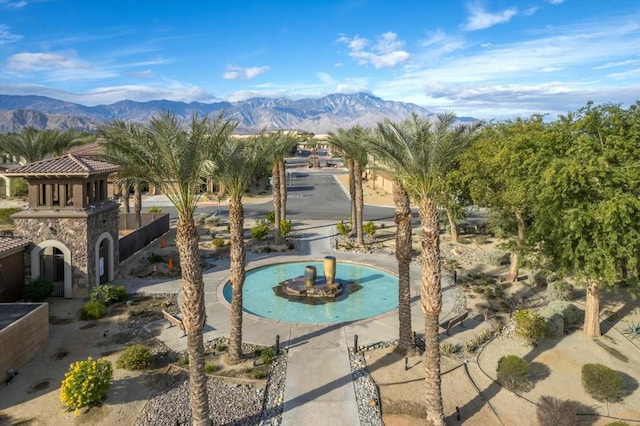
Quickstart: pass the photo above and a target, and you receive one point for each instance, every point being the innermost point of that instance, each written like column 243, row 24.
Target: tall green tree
column 177, row 161
column 587, row 216
column 132, row 174
column 238, row 162
column 32, row 145
column 502, row 170
column 351, row 143
column 378, row 145
column 425, row 153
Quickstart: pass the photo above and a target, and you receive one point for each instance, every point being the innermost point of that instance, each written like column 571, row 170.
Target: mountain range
column 317, row 115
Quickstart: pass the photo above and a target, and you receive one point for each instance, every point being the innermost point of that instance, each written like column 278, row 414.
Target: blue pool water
column 379, row 294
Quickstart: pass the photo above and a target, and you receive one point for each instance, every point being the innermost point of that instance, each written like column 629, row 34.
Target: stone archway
column 36, row 258
column 104, row 256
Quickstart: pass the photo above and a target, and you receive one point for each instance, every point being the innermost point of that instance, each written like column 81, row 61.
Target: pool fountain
column 324, row 291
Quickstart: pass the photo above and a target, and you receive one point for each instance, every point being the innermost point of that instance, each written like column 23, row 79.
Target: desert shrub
column 5, row 214
column 271, row 217
column 618, row 423
column 92, row 310
column 447, row 348
column 199, row 219
column 285, row 227
column 512, row 372
column 267, row 355
column 559, row 290
column 496, row 257
column 478, row 289
column 540, row 279
column 156, row 258
column 155, row 210
column 217, row 242
column 470, row 345
column 212, row 220
column 369, row 229
column 260, row 231
column 343, row 228
column 601, row 382
column 481, row 239
column 555, row 324
column 19, row 187
column 570, row 313
column 38, row 290
column 107, row 294
column 85, row 383
column 135, row 357
column 632, row 330
column 210, row 368
column 530, row 326
column 556, row 412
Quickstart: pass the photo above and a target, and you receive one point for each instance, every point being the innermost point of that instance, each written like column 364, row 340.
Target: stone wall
column 78, row 231
column 24, row 337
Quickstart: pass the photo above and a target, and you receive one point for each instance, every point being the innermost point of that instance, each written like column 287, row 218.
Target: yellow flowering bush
column 85, row 383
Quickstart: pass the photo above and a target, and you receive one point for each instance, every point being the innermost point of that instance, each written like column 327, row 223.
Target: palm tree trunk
column 431, row 302
column 126, row 197
column 137, row 203
column 283, row 190
column 352, row 193
column 514, row 258
column 277, row 200
column 193, row 317
column 237, row 273
column 403, row 256
column 357, row 172
column 592, row 310
column 452, row 224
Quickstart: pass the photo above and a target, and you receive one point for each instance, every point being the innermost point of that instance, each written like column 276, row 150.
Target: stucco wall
column 22, row 339
column 12, row 277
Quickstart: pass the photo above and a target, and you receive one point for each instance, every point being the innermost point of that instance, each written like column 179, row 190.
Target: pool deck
column 313, row 395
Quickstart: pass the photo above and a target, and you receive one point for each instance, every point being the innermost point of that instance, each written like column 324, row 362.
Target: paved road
column 313, row 195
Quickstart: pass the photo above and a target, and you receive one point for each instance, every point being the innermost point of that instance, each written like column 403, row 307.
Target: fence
column 153, row 226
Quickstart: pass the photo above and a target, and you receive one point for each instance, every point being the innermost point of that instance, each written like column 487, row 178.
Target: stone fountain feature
column 310, row 288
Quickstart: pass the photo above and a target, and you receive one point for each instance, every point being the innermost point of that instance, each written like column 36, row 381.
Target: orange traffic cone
column 170, row 262
column 162, row 244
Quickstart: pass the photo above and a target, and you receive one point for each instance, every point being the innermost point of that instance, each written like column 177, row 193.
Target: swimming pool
column 379, row 294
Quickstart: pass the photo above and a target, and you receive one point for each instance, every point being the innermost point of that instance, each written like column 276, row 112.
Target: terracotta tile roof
column 65, row 165
column 8, row 243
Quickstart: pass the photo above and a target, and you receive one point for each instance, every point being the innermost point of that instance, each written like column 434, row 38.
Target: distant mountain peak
column 317, row 115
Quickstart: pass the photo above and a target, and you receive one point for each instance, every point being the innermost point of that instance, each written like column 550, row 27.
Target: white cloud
column 326, row 78
column 556, row 1
column 480, row 19
column 386, row 52
column 239, row 73
column 14, row 4
column 28, row 61
column 617, row 64
column 143, row 74
column 6, row 36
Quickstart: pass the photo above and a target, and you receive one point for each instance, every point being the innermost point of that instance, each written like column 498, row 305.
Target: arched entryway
column 104, row 259
column 52, row 260
column 5, row 187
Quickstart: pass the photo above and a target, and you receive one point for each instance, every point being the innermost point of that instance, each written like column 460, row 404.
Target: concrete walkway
column 319, row 388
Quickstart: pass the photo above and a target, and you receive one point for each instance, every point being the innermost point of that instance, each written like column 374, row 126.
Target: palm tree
column 131, row 174
column 32, row 145
column 279, row 144
column 404, row 247
column 425, row 153
column 177, row 161
column 351, row 143
column 238, row 162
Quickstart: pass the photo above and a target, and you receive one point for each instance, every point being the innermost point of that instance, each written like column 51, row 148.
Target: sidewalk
column 319, row 388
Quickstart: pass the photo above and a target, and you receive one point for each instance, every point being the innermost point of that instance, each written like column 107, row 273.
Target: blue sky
column 485, row 59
